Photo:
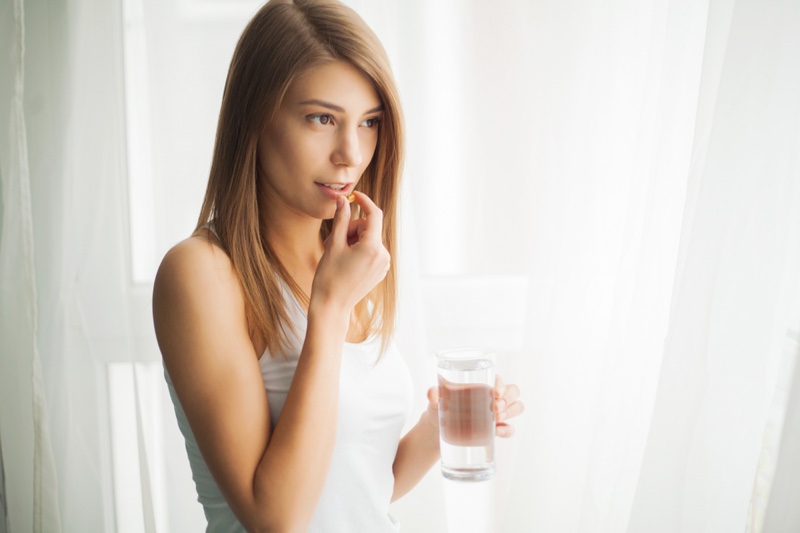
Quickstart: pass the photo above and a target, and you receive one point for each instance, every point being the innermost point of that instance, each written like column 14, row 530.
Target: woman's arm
column 271, row 480
column 198, row 311
column 418, row 450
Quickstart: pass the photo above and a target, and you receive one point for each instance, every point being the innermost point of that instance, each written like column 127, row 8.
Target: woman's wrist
column 429, row 426
column 328, row 313
column 326, row 309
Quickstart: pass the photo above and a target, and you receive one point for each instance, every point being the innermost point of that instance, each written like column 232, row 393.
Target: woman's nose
column 348, row 149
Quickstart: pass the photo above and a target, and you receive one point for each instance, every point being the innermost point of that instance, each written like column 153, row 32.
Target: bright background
column 607, row 192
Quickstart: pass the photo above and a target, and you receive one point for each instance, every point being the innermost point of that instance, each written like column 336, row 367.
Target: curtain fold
column 30, row 478
column 606, row 183
column 732, row 307
column 775, row 509
column 68, row 302
column 87, row 298
column 4, row 526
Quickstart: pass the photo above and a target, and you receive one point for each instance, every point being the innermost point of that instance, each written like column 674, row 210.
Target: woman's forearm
column 417, row 453
column 295, row 465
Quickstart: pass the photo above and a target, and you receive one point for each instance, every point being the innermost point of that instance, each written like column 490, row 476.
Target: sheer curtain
column 607, row 193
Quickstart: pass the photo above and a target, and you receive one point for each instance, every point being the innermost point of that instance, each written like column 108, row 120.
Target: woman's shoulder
column 197, row 298
column 201, row 249
column 197, row 264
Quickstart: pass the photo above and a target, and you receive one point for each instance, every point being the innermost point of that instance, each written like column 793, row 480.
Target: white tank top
column 375, row 398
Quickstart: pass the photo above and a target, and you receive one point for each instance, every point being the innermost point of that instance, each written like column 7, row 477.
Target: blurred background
column 606, row 192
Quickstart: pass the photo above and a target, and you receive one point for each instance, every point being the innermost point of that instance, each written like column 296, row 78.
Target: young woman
column 275, row 317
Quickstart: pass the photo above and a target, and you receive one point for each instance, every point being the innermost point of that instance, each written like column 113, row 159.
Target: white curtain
column 66, row 301
column 28, row 493
column 606, row 192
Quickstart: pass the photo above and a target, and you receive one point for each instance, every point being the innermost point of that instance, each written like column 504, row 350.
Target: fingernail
column 340, row 201
column 501, row 404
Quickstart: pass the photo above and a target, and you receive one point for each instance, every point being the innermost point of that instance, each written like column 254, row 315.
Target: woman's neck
column 299, row 248
column 295, row 239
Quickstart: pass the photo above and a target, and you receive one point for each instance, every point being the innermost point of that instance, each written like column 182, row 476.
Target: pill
column 350, row 197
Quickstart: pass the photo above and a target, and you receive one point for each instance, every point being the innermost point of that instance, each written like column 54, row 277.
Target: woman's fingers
column 506, row 405
column 341, row 221
column 355, row 259
column 513, row 409
column 373, row 216
column 504, row 430
column 511, row 393
column 504, row 394
column 499, row 387
column 366, row 204
column 433, row 396
column 355, row 230
column 432, row 413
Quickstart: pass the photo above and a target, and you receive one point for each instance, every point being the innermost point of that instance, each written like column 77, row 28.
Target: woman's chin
column 327, row 213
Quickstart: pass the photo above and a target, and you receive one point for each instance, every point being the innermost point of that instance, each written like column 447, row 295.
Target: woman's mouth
column 332, row 190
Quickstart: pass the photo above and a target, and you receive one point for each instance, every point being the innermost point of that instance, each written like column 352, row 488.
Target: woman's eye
column 321, row 119
column 371, row 122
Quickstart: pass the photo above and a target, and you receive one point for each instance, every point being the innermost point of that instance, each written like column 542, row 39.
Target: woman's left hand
column 506, row 405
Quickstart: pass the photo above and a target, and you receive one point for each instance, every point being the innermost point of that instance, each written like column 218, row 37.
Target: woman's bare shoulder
column 195, row 286
column 197, row 259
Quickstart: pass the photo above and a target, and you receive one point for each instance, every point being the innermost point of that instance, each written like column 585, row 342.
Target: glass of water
column 466, row 417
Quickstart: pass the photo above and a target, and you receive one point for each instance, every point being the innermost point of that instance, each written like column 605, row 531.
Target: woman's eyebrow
column 335, row 107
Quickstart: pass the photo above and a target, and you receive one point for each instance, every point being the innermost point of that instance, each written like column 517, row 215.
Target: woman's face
column 320, row 141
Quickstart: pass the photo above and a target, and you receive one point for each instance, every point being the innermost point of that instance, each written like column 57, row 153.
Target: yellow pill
column 350, row 197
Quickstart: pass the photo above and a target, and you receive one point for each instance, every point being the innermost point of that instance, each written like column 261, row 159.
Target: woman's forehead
column 337, row 83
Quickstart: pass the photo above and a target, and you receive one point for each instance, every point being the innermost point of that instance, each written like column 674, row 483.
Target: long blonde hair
column 284, row 39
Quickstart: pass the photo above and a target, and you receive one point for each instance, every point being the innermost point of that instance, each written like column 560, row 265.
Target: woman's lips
column 333, row 193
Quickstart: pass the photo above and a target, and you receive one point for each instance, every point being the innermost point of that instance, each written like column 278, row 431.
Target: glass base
column 469, row 474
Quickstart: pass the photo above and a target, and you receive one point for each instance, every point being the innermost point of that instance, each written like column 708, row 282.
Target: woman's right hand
column 355, row 259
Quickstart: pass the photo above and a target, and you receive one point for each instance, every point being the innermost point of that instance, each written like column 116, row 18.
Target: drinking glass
column 466, row 417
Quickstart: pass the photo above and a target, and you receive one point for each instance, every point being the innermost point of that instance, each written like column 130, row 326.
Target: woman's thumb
column 433, row 396
column 341, row 220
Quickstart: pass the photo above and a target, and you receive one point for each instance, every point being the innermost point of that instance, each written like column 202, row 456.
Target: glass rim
column 466, row 353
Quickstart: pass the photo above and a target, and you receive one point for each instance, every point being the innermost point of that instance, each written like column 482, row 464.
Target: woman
column 275, row 317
